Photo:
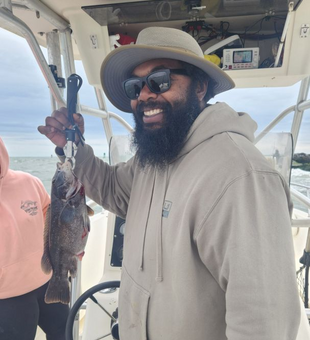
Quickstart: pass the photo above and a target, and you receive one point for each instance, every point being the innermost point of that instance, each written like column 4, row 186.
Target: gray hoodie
column 208, row 250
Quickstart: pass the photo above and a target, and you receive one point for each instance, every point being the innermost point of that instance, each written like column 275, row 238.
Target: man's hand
column 55, row 126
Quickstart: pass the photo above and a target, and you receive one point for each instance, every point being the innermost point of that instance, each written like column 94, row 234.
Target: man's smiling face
column 150, row 108
column 164, row 119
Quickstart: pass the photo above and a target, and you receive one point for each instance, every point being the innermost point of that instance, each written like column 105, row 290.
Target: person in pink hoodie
column 23, row 205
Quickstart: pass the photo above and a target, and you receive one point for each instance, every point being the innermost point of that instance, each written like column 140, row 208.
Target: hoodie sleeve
column 109, row 186
column 246, row 243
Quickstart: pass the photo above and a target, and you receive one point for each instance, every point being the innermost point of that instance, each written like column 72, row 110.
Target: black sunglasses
column 157, row 81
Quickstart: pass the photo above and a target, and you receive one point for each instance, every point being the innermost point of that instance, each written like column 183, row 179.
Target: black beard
column 159, row 146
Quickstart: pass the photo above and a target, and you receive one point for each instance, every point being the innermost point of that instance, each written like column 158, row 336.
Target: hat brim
column 120, row 63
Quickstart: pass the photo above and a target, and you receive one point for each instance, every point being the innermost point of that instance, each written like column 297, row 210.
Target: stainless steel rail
column 25, row 31
column 301, row 197
column 302, row 106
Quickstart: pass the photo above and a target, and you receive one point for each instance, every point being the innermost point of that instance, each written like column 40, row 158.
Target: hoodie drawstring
column 159, row 272
column 155, row 212
column 145, row 226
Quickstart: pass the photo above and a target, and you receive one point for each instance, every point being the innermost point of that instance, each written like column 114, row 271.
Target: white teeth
column 153, row 112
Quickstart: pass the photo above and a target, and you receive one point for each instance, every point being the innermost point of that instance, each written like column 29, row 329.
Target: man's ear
column 201, row 90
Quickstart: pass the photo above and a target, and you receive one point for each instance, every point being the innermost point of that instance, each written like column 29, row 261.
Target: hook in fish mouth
column 67, row 185
column 74, row 189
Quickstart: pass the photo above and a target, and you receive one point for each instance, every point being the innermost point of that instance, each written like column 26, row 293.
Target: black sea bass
column 66, row 230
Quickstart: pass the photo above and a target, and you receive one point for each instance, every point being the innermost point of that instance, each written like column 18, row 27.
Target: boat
column 260, row 44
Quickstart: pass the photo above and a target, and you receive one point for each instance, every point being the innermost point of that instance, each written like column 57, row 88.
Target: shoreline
column 301, row 161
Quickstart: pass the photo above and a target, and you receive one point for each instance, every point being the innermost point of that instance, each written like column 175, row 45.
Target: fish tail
column 57, row 290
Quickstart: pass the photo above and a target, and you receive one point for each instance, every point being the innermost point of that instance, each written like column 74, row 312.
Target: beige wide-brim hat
column 155, row 43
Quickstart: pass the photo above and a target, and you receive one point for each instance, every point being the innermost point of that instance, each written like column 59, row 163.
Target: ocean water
column 41, row 167
column 301, row 177
column 44, row 168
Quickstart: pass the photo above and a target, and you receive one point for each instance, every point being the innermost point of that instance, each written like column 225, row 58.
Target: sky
column 25, row 102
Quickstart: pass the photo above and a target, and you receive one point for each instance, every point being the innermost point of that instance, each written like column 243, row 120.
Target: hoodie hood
column 4, row 161
column 218, row 118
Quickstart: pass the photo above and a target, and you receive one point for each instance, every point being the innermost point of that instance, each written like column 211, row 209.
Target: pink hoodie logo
column 30, row 207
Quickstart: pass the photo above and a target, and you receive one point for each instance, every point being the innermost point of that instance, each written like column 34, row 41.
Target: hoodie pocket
column 133, row 308
column 22, row 276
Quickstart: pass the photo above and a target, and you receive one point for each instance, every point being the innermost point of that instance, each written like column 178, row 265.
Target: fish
column 66, row 230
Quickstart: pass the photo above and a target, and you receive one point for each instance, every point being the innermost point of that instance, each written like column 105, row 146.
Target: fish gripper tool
column 74, row 83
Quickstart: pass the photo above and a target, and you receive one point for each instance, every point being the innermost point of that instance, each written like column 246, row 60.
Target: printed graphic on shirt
column 30, row 207
column 167, row 208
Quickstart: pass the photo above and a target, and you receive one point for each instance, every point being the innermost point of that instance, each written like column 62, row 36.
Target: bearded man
column 208, row 251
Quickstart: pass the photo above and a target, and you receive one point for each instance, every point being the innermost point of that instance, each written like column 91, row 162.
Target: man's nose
column 146, row 93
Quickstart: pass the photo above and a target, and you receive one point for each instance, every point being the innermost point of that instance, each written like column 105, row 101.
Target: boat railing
column 26, row 32
column 302, row 106
column 67, row 50
column 307, row 187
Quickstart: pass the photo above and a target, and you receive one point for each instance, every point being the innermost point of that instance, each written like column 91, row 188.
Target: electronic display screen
column 242, row 57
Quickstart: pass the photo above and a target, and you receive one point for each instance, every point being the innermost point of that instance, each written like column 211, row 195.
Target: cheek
column 178, row 95
column 180, row 91
column 181, row 97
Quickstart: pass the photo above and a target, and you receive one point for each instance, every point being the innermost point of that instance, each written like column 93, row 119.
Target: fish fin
column 88, row 226
column 57, row 290
column 73, row 266
column 46, row 261
column 85, row 232
column 90, row 211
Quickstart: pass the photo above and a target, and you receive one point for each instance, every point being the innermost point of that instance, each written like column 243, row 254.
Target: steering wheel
column 105, row 293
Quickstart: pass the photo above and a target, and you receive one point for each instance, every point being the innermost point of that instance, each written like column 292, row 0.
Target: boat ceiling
column 172, row 10
column 260, row 23
column 121, row 15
